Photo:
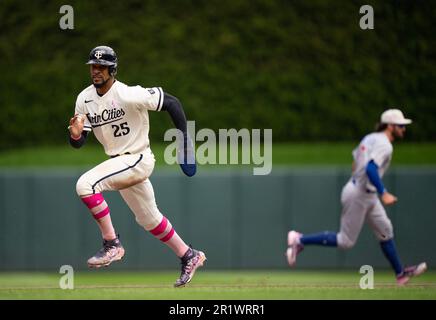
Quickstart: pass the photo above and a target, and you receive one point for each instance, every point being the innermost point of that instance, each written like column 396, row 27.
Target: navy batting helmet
column 105, row 56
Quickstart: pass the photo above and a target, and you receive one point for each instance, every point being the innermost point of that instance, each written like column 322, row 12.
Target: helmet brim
column 101, row 62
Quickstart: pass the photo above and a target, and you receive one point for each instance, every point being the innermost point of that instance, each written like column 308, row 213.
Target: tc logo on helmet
column 98, row 54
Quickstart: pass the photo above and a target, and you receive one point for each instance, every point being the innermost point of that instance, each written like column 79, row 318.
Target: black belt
column 117, row 155
column 366, row 190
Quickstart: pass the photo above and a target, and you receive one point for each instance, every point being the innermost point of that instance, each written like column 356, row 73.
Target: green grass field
column 283, row 154
column 209, row 284
column 214, row 285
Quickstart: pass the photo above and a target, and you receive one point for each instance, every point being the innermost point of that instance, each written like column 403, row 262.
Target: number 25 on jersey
column 120, row 130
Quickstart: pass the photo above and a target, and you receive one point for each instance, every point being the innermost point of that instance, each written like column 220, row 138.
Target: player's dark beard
column 398, row 134
column 100, row 85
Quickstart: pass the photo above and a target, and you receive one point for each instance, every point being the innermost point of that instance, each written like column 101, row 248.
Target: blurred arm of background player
column 185, row 153
column 386, row 197
column 373, row 176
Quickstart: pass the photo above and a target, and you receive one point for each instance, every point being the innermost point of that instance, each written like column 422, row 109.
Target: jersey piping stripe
column 117, row 172
column 160, row 103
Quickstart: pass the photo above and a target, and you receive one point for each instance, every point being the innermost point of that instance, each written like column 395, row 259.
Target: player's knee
column 346, row 245
column 148, row 218
column 386, row 233
column 141, row 220
column 344, row 242
column 83, row 187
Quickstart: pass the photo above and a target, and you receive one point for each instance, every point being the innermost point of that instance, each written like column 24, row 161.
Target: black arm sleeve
column 173, row 106
column 80, row 142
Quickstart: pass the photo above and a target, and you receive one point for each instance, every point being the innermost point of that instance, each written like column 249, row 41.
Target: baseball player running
column 360, row 201
column 118, row 116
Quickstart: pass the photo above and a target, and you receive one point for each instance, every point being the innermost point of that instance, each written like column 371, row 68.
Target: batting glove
column 186, row 157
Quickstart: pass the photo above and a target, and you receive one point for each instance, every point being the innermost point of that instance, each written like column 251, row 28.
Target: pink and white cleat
column 192, row 260
column 112, row 251
column 410, row 272
column 294, row 247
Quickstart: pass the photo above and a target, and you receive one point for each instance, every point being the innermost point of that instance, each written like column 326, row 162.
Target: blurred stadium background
column 302, row 68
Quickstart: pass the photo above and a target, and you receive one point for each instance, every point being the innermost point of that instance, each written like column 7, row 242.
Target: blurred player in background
column 360, row 201
column 118, row 116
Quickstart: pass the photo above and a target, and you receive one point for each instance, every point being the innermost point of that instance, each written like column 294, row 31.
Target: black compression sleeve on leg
column 79, row 142
column 173, row 106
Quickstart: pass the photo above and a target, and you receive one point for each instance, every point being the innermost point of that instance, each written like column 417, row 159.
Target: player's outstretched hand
column 388, row 198
column 186, row 157
column 76, row 125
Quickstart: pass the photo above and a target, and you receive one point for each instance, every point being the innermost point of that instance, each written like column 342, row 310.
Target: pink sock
column 100, row 211
column 166, row 233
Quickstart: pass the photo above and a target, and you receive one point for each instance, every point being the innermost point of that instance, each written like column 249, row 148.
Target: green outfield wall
column 239, row 220
column 306, row 69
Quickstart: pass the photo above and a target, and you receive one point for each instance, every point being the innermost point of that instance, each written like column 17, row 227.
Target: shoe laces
column 108, row 245
column 106, row 248
column 409, row 270
column 187, row 266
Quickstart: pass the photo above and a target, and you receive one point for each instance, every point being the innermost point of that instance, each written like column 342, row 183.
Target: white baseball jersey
column 374, row 146
column 119, row 118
